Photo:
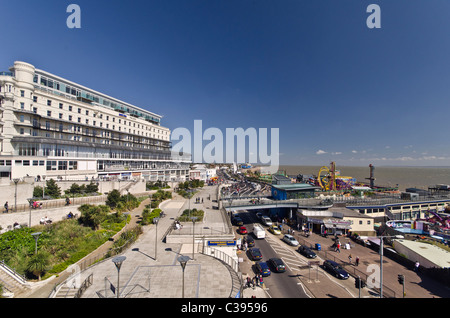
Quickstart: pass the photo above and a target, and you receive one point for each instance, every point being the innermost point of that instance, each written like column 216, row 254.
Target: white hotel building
column 52, row 127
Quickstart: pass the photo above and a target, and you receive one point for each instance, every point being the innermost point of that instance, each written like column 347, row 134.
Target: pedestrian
column 350, row 259
column 416, row 267
column 338, row 247
column 256, row 280
column 6, row 207
column 357, row 261
column 261, row 280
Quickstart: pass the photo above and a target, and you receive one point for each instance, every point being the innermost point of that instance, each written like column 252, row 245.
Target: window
column 22, row 132
column 79, row 110
column 73, row 165
column 22, row 105
column 49, row 102
column 22, row 118
column 35, row 99
column 49, row 113
column 87, row 113
column 22, row 93
column 70, row 117
column 70, row 108
column 51, row 165
column 60, row 116
column 62, row 165
column 61, row 106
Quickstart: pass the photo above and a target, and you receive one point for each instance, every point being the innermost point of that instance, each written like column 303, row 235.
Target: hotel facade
column 54, row 128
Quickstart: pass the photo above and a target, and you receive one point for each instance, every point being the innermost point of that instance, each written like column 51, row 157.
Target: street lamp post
column 183, row 261
column 36, row 237
column 155, row 221
column 381, row 259
column 118, row 261
column 16, row 181
column 193, row 218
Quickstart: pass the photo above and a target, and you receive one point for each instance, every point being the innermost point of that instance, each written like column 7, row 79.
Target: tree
column 92, row 215
column 38, row 263
column 52, row 189
column 92, row 187
column 113, row 198
column 37, row 192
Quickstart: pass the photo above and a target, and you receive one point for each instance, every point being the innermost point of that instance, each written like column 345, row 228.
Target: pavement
column 152, row 270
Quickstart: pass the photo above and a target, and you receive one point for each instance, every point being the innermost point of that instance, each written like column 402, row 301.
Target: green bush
column 187, row 214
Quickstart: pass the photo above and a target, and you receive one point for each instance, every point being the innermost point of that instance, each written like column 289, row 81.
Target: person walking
column 416, row 267
column 357, row 261
column 6, row 206
column 350, row 259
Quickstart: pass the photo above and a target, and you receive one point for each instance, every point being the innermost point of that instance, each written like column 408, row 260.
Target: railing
column 87, row 282
column 20, row 278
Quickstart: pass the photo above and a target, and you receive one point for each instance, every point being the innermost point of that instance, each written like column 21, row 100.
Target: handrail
column 13, row 273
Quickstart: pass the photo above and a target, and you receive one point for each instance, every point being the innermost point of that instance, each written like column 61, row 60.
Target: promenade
column 152, row 269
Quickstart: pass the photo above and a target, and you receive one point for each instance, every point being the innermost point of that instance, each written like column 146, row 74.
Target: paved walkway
column 151, row 269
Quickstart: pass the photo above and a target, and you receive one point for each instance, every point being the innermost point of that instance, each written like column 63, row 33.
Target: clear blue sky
column 337, row 90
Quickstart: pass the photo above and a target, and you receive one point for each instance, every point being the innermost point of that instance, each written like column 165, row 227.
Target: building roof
column 433, row 253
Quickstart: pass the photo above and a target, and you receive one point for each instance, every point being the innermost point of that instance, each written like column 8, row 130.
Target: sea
column 403, row 177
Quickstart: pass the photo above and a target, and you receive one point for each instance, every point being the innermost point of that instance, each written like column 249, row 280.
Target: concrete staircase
column 14, row 285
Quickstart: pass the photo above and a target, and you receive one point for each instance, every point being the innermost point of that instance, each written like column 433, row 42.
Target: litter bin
column 318, row 247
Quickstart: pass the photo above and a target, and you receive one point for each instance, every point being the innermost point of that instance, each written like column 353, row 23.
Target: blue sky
column 337, row 90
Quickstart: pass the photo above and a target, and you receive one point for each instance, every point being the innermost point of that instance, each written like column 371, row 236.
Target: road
column 299, row 280
column 278, row 285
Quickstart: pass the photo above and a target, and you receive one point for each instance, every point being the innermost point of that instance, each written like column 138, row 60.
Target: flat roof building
column 53, row 127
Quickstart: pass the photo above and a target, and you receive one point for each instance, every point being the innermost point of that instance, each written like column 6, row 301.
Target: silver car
column 290, row 240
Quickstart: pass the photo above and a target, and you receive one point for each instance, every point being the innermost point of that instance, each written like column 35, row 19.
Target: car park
column 274, row 230
column 242, row 230
column 277, row 264
column 306, row 251
column 289, row 239
column 335, row 269
column 263, row 269
column 255, row 254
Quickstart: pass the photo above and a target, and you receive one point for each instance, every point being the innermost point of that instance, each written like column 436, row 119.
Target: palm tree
column 38, row 263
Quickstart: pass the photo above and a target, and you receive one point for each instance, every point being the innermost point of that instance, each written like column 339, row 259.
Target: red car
column 243, row 230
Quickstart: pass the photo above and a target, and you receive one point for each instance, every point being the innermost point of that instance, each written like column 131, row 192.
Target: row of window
column 79, row 93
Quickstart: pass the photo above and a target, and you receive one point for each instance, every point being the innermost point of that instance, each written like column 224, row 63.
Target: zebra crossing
column 290, row 257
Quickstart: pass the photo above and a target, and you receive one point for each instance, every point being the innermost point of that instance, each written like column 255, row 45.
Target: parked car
column 255, row 254
column 335, row 269
column 250, row 241
column 263, row 269
column 277, row 264
column 290, row 240
column 274, row 230
column 242, row 230
column 236, row 220
column 306, row 251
